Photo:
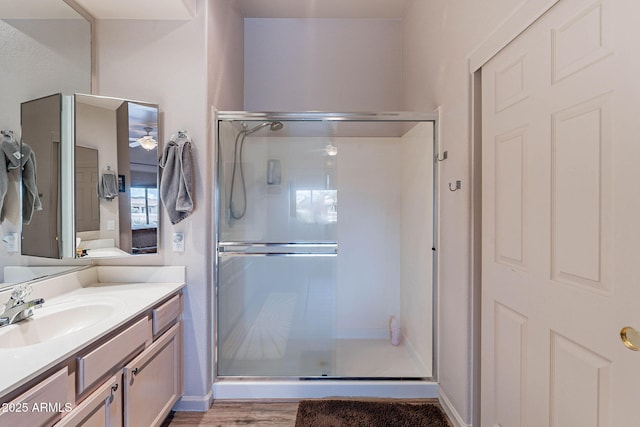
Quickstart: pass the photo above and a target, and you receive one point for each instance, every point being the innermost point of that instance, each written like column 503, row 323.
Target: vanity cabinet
column 142, row 394
column 132, row 377
column 146, row 357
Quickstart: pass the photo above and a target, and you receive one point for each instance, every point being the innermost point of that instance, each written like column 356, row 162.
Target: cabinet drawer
column 101, row 361
column 41, row 405
column 102, row 408
column 164, row 315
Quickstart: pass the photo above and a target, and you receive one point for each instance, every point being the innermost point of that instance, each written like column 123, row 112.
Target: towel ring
column 8, row 134
column 180, row 134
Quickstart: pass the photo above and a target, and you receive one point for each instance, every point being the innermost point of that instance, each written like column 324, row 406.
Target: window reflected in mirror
column 144, row 219
column 144, row 207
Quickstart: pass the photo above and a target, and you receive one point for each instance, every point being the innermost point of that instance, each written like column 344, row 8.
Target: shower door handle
column 277, row 249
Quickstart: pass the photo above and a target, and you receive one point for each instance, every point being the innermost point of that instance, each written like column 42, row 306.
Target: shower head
column 273, row 126
column 276, row 126
column 232, row 213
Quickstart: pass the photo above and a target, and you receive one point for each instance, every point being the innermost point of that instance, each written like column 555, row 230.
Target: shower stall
column 325, row 254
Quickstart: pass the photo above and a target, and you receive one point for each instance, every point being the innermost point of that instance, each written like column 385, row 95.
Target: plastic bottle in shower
column 394, row 330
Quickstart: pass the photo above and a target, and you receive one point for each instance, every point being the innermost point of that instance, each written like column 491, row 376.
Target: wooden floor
column 247, row 413
column 233, row 413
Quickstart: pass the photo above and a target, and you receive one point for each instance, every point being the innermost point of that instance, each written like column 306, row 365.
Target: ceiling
column 322, row 8
column 139, row 9
column 186, row 9
column 100, row 9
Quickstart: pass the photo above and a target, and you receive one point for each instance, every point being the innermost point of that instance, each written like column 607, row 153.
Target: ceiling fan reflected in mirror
column 147, row 141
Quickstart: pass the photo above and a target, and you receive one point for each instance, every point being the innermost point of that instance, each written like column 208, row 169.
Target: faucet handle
column 20, row 292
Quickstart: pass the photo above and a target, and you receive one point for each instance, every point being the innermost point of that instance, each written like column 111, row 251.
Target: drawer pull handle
column 134, row 371
column 114, row 388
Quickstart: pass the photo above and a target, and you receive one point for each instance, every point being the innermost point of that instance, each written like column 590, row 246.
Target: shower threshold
column 317, row 387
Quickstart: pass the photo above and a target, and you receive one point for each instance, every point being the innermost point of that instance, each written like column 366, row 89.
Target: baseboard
column 453, row 415
column 194, row 403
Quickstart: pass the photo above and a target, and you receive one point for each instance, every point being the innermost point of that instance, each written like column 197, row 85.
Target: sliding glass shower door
column 324, row 237
column 276, row 253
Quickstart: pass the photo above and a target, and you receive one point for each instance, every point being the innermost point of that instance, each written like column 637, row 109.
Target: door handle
column 630, row 338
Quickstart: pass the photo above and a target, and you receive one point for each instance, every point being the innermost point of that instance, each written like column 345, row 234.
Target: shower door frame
column 394, row 116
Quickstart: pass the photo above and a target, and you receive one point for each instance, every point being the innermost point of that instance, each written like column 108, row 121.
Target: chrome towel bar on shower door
column 278, row 249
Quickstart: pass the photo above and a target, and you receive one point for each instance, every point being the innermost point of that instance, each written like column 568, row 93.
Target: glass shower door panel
column 277, row 189
column 275, row 315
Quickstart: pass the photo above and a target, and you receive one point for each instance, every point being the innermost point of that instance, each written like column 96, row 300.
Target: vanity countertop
column 100, row 299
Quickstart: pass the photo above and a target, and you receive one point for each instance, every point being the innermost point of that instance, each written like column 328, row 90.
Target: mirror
column 116, row 177
column 87, row 209
column 103, row 162
column 40, row 162
column 47, row 49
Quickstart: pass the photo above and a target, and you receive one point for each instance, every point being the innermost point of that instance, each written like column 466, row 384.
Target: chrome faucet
column 16, row 309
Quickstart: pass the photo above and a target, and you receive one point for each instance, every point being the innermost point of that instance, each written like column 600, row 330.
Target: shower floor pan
column 367, row 368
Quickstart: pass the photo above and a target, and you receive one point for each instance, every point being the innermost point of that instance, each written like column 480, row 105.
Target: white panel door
column 561, row 220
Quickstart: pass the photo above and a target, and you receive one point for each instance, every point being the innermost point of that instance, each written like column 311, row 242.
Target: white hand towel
column 108, row 186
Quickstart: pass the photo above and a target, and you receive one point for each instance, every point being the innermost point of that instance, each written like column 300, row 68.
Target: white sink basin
column 48, row 323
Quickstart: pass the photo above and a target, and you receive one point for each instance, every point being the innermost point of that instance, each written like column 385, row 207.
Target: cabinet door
column 153, row 381
column 102, row 408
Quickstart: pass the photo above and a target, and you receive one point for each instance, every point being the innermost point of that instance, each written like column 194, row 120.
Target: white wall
column 41, row 57
column 438, row 36
column 323, row 65
column 225, row 65
column 177, row 65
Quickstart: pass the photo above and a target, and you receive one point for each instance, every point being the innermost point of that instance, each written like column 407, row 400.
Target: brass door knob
column 630, row 338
